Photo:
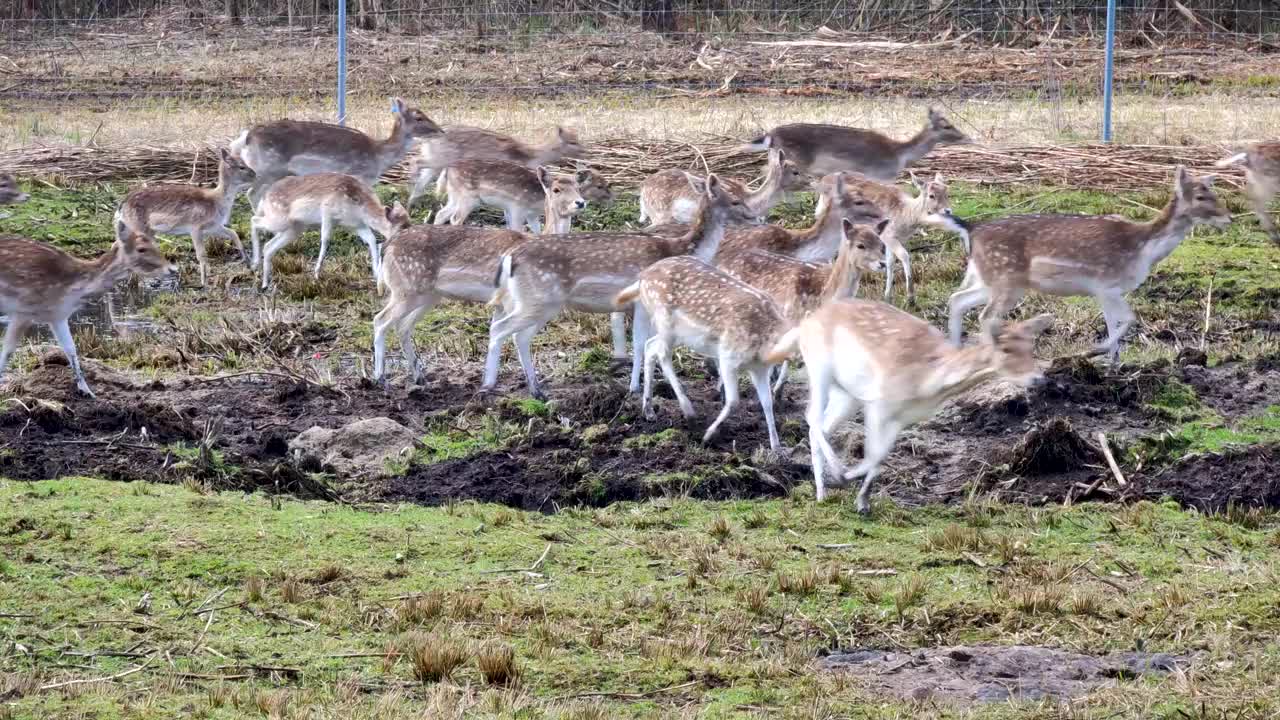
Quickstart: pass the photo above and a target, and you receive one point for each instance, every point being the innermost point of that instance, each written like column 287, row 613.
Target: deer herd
column 705, row 272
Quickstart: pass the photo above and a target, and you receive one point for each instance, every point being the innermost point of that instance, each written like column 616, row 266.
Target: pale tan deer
column 690, row 303
column 1105, row 257
column 296, row 203
column 524, row 195
column 9, row 192
column 665, row 197
column 586, row 271
column 822, row 149
column 294, row 147
column 189, row 210
column 1262, row 176
column 41, row 284
column 470, row 143
column 899, row 369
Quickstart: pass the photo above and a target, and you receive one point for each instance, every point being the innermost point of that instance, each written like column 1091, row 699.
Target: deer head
column 416, row 124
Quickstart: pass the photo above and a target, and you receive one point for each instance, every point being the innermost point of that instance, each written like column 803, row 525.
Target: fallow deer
column 931, row 205
column 586, row 271
column 899, row 368
column 524, row 195
column 9, row 192
column 294, row 147
column 41, row 284
column 1105, row 257
column 665, row 197
column 822, row 149
column 1262, row 176
column 189, row 209
column 295, row 203
column 459, row 143
column 691, row 303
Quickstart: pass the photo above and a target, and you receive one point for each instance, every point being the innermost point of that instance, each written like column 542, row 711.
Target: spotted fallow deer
column 665, row 197
column 295, row 203
column 898, row 368
column 463, row 143
column 822, row 149
column 586, row 271
column 1105, row 257
column 41, row 284
column 691, row 303
column 9, row 192
column 1262, row 175
column 294, row 147
column 524, row 195
column 930, row 206
column 189, row 209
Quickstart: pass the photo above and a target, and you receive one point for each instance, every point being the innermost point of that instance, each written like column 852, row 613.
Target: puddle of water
column 119, row 313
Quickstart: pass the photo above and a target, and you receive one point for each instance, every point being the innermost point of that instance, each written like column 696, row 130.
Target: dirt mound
column 977, row 674
column 1246, row 478
column 1052, row 448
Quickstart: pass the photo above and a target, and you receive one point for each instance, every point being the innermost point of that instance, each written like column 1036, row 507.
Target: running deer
column 665, row 197
column 586, row 271
column 189, row 210
column 1262, row 175
column 469, row 143
column 800, row 287
column 1105, row 257
column 295, row 203
column 690, row 303
column 524, row 195
column 9, row 192
column 41, row 284
column 899, row 368
column 823, row 149
column 296, row 147
column 930, row 206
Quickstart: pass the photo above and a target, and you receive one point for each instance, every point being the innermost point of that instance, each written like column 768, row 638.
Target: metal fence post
column 342, row 62
column 1108, row 71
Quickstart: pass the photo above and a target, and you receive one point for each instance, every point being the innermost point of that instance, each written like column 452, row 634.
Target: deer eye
column 555, row 190
column 861, row 246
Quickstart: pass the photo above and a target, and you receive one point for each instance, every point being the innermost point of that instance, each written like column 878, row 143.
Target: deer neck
column 763, row 198
column 556, row 224
column 704, row 236
column 842, row 281
column 959, row 371
column 1165, row 233
column 98, row 275
column 394, row 147
column 821, row 241
column 909, row 151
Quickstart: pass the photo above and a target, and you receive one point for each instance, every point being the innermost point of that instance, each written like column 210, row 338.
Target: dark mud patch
column 1246, row 478
column 980, row 674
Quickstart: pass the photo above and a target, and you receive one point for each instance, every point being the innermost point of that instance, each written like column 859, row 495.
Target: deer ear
column 398, row 106
column 1180, row 182
column 880, row 226
column 915, row 181
column 937, row 177
column 582, row 176
column 713, row 184
column 223, row 154
column 846, row 225
column 544, row 178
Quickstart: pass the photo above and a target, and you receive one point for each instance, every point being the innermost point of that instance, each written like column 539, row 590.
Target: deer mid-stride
column 1262, row 179
column 665, row 196
column 460, row 142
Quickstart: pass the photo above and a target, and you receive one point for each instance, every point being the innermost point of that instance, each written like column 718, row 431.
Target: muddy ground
column 590, row 446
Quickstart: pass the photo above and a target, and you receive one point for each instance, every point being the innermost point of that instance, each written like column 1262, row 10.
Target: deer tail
column 785, row 347
column 1236, row 159
column 506, row 268
column 759, row 144
column 440, row 181
column 627, row 296
column 236, row 147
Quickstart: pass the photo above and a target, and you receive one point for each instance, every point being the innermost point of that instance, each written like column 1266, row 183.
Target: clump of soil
column 977, row 674
column 1052, row 448
column 1246, row 478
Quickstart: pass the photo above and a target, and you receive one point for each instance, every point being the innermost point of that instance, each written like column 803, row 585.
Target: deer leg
column 760, row 379
column 462, row 207
column 1119, row 318
column 618, row 328
column 255, row 242
column 840, row 405
column 405, row 330
column 524, row 352
column 962, row 301
column 277, row 243
column 234, row 237
column 12, row 336
column 819, row 448
column 655, row 347
column 640, row 328
column 62, row 333
column 326, row 228
column 381, row 323
column 904, row 257
column 1260, row 195
column 729, row 371
column 375, row 258
column 202, row 260
column 881, row 434
column 889, row 253
column 783, row 369
column 1003, row 300
column 444, row 213
column 421, row 181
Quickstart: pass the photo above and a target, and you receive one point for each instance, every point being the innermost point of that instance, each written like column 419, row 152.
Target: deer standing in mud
column 295, row 147
column 1262, row 177
column 899, row 369
column 691, row 303
column 460, row 143
column 665, row 197
column 295, row 203
column 9, row 192
column 1105, row 257
column 823, row 149
column 525, row 196
column 189, row 209
column 41, row 284
column 586, row 271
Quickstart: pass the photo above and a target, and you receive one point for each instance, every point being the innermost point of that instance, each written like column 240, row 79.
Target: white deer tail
column 1233, row 160
column 236, row 147
column 785, row 347
column 506, row 267
column 440, row 181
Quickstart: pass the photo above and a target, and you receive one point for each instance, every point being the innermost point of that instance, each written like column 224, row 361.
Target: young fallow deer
column 41, row 284
column 899, row 368
column 665, row 197
column 189, row 209
column 295, row 203
column 822, row 149
column 930, row 206
column 524, row 195
column 294, row 147
column 459, row 143
column 586, row 271
column 1262, row 174
column 691, row 303
column 1105, row 257
column 9, row 192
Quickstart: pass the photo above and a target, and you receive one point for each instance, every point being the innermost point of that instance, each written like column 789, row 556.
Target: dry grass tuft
column 805, row 583
column 1045, row 600
column 273, row 703
column 434, row 657
column 327, row 574
column 756, row 520
column 253, row 589
column 466, row 606
column 292, row 591
column 755, row 598
column 910, row 592
column 956, row 539
column 419, row 609
column 1086, row 603
column 497, row 664
column 720, row 530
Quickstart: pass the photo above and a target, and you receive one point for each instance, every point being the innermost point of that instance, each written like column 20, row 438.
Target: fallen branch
column 109, row 678
column 1111, row 459
column 531, row 569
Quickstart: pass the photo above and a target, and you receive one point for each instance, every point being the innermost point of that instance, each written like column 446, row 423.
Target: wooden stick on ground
column 1111, row 459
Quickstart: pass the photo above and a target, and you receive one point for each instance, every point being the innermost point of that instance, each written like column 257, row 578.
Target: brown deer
column 586, row 271
column 462, row 143
column 296, row 147
column 1262, row 174
column 665, row 197
column 1105, row 257
column 189, row 209
column 41, row 284
column 823, row 149
column 899, row 368
column 691, row 303
column 295, row 203
column 9, row 192
column 524, row 195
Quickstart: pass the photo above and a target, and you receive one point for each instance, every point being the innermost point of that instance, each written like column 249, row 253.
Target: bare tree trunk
column 658, row 16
